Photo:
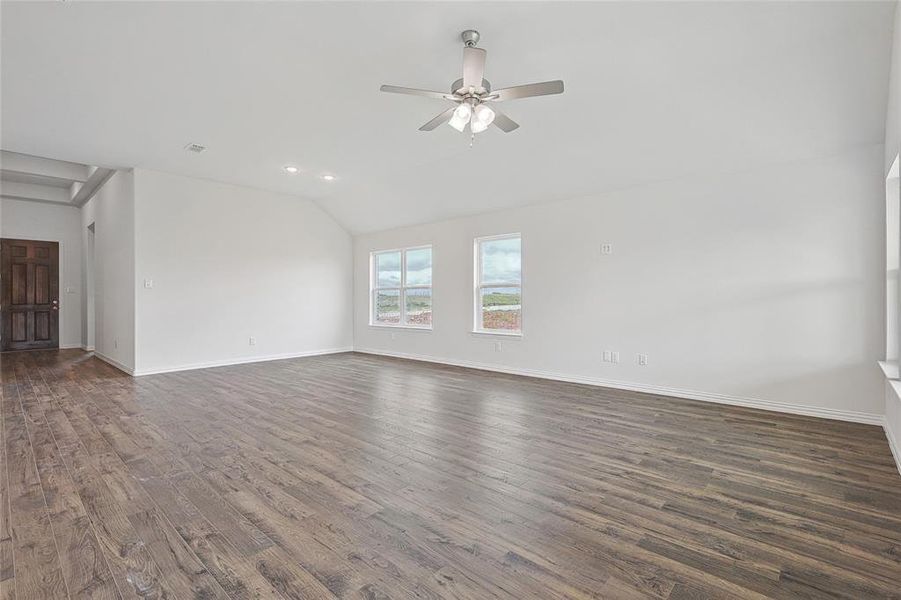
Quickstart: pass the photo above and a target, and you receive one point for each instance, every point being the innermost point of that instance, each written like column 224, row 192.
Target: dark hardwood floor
column 355, row 476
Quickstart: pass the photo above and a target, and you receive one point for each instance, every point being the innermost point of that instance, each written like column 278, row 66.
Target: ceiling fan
column 472, row 94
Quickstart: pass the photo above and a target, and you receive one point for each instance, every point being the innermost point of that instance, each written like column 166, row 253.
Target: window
column 401, row 283
column 892, row 271
column 498, row 293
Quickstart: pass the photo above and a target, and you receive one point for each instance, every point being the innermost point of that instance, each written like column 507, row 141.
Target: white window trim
column 892, row 363
column 477, row 327
column 374, row 289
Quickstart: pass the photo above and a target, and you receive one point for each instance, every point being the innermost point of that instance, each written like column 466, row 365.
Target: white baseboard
column 87, row 348
column 69, row 346
column 238, row 361
column 114, row 363
column 784, row 407
column 893, row 394
column 893, row 444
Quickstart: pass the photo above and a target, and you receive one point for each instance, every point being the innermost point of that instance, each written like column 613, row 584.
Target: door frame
column 89, row 288
column 61, row 290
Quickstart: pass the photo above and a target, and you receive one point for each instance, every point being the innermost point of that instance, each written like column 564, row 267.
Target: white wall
column 765, row 285
column 892, row 149
column 112, row 211
column 55, row 223
column 230, row 262
column 893, row 115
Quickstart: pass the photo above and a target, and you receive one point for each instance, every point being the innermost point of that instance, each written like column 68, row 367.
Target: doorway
column 29, row 294
column 89, row 288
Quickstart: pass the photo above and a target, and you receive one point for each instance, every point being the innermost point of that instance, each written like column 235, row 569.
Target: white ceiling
column 653, row 91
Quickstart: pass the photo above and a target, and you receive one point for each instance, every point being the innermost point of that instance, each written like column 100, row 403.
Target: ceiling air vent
column 196, row 148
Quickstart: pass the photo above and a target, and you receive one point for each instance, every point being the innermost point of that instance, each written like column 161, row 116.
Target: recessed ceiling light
column 290, row 169
column 328, row 177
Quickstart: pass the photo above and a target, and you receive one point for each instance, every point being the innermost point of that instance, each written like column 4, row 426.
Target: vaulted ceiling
column 654, row 91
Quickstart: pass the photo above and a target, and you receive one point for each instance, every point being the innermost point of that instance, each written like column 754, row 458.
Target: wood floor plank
column 353, row 476
column 7, row 568
column 171, row 561
column 180, row 556
column 7, row 562
column 38, row 570
column 85, row 570
column 239, row 577
column 133, row 570
column 773, row 571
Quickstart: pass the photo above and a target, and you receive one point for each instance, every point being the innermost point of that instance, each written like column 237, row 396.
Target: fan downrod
column 470, row 38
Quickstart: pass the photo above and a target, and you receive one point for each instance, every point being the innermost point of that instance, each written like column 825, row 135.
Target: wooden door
column 29, row 294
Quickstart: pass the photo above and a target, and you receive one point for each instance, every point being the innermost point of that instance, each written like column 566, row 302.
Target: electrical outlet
column 606, row 248
column 252, row 341
column 393, row 335
column 642, row 359
column 497, row 346
column 616, row 358
column 148, row 284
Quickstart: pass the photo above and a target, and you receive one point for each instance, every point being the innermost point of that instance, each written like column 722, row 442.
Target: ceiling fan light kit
column 472, row 94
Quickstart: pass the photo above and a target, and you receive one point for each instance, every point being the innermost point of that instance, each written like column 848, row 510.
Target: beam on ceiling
column 33, row 191
column 81, row 193
column 13, row 162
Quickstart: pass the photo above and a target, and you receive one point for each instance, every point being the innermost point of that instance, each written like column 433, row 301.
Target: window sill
column 890, row 369
column 506, row 334
column 406, row 327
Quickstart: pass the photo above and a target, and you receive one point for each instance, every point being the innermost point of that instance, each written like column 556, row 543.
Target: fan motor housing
column 457, row 87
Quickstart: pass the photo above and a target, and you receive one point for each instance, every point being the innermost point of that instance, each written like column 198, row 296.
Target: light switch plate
column 148, row 283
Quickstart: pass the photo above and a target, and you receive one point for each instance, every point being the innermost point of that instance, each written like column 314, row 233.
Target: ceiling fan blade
column 439, row 120
column 395, row 89
column 473, row 67
column 503, row 122
column 527, row 91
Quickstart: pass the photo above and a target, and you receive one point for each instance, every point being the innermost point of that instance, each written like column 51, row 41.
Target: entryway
column 29, row 294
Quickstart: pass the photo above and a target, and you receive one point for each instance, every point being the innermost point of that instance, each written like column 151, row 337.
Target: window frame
column 892, row 363
column 374, row 288
column 478, row 284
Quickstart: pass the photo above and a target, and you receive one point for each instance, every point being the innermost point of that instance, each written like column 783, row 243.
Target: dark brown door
column 29, row 294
